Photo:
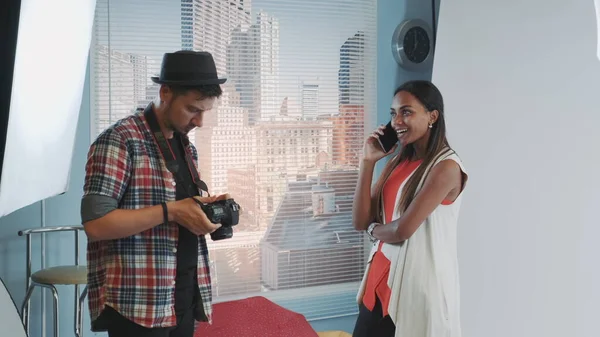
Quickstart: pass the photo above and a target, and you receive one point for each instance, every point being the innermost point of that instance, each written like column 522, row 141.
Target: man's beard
column 169, row 125
column 167, row 121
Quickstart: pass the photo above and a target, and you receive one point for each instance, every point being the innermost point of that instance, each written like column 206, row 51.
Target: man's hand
column 190, row 215
column 228, row 196
column 222, row 197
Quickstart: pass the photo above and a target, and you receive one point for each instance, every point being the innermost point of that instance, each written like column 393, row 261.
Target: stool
column 59, row 275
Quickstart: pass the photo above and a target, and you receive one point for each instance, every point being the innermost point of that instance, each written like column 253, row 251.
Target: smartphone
column 389, row 138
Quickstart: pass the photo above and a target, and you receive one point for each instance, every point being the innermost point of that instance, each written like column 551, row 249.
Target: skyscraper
column 187, row 24
column 115, row 96
column 253, row 67
column 349, row 123
column 351, row 75
column 310, row 100
column 206, row 25
column 267, row 30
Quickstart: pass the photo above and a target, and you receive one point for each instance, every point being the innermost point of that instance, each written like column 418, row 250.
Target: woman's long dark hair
column 431, row 98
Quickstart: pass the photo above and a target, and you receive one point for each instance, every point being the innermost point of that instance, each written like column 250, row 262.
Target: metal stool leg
column 79, row 314
column 25, row 308
column 77, row 309
column 55, row 295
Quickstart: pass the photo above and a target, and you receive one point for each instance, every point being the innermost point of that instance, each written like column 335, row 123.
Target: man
column 148, row 271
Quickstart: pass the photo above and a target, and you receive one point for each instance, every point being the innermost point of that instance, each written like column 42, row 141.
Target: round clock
column 412, row 45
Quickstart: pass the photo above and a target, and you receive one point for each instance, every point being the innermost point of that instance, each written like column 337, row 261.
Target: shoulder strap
column 167, row 152
column 442, row 155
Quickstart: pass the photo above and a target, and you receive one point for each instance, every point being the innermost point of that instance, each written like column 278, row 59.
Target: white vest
column 425, row 299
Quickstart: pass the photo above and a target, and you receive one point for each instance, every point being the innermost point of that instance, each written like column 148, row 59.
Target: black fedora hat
column 187, row 67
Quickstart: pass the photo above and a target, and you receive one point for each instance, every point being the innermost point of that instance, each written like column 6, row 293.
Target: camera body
column 225, row 212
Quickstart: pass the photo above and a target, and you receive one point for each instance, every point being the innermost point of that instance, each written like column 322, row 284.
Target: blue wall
column 390, row 13
column 64, row 209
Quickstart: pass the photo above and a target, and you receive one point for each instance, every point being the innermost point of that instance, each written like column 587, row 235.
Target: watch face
column 416, row 44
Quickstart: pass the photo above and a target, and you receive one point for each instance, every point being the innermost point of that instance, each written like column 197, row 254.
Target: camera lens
column 222, row 233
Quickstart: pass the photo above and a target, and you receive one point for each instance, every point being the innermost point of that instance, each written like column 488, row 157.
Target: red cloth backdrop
column 255, row 317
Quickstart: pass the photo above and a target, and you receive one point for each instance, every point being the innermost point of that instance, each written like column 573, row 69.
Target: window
column 285, row 139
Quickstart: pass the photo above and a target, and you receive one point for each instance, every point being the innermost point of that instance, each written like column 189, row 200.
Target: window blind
column 285, row 139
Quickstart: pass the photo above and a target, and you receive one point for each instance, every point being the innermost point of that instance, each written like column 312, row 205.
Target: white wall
column 522, row 85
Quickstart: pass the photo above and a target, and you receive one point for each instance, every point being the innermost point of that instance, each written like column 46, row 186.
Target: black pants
column 185, row 304
column 122, row 327
column 372, row 323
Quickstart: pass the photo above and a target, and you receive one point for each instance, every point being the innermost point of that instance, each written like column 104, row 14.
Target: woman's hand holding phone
column 383, row 137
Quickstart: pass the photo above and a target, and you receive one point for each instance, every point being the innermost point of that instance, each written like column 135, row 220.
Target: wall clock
column 412, row 45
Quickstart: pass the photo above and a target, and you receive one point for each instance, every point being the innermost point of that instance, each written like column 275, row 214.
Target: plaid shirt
column 136, row 275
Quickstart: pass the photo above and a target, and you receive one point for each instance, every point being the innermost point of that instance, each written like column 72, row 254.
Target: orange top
column 376, row 286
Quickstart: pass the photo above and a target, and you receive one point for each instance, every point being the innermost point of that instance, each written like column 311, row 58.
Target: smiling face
column 184, row 111
column 411, row 119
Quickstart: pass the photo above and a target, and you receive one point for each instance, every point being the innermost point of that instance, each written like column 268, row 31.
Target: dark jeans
column 372, row 323
column 185, row 299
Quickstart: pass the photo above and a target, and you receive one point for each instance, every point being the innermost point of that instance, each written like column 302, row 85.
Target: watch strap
column 370, row 230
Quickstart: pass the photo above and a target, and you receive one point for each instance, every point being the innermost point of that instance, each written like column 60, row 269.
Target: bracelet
column 370, row 231
column 165, row 213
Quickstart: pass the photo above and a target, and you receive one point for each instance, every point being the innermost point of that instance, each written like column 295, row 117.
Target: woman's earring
column 430, row 126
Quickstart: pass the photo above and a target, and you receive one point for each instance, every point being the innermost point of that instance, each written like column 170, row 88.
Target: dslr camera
column 225, row 212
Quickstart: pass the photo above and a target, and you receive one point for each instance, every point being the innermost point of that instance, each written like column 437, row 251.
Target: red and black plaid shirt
column 136, row 275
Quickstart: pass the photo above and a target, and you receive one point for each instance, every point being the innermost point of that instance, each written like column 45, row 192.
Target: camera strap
column 167, row 152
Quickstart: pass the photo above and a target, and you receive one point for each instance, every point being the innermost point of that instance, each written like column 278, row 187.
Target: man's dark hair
column 205, row 90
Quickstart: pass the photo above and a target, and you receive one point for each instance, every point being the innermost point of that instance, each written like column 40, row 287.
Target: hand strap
column 165, row 213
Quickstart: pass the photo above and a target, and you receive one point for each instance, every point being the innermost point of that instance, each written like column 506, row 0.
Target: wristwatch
column 370, row 231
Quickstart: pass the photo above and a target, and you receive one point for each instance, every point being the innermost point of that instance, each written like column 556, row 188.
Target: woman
column 410, row 287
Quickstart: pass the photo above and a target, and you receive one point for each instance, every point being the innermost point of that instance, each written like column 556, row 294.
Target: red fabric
column 252, row 317
column 393, row 183
column 377, row 286
column 379, row 270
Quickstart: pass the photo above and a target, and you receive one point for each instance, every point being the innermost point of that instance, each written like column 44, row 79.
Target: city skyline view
column 298, row 39
column 286, row 136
